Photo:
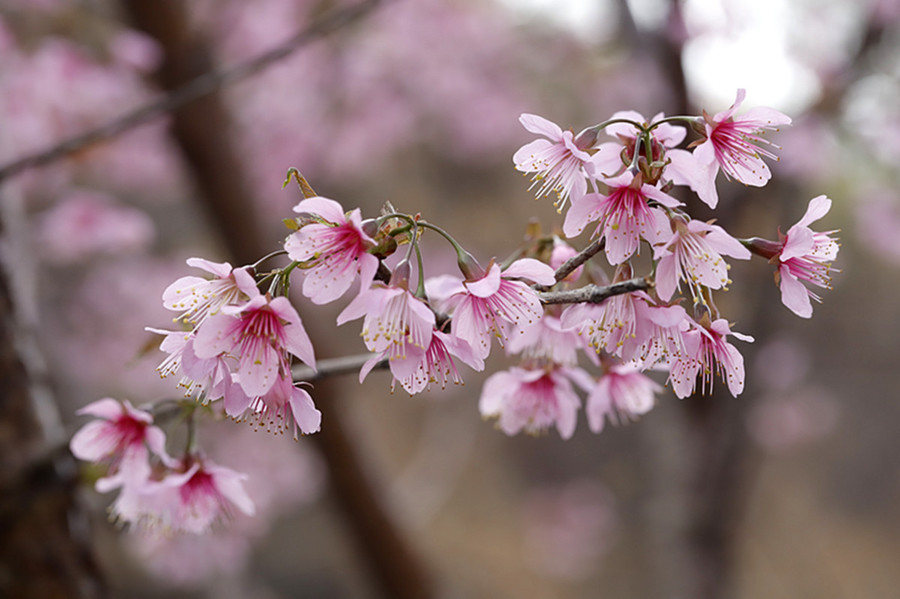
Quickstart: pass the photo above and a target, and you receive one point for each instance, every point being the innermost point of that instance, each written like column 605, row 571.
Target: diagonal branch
column 200, row 86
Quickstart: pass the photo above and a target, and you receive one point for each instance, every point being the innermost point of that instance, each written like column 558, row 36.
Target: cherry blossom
column 694, row 254
column 802, row 255
column 259, row 334
column 123, row 436
column 333, row 250
column 623, row 216
column 435, row 365
column 561, row 163
column 198, row 298
column 622, row 393
column 498, row 299
column 533, row 400
column 735, row 145
column 707, row 351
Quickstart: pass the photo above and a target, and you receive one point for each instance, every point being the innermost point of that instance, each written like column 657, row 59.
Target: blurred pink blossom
column 86, row 223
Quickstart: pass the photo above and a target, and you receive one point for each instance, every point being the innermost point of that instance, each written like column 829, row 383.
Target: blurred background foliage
column 789, row 491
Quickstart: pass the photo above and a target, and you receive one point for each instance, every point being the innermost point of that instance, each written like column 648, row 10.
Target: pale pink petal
column 106, row 408
column 794, row 295
column 487, row 285
column 327, row 209
column 541, row 126
column 307, row 417
column 532, row 270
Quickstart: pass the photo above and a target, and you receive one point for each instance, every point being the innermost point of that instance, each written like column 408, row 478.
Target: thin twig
column 196, row 88
column 333, row 367
column 580, row 258
column 593, row 294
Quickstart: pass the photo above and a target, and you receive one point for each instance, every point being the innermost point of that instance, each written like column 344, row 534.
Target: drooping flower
column 623, row 216
column 706, row 352
column 435, row 365
column 198, row 298
column 735, row 144
column 694, row 254
column 194, row 499
column 284, row 407
column 802, row 255
column 333, row 250
column 622, row 393
column 123, row 437
column 498, row 299
column 393, row 317
column 533, row 400
column 561, row 163
column 547, row 340
column 259, row 335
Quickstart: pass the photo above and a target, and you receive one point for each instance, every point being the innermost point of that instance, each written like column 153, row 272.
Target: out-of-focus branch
column 201, row 85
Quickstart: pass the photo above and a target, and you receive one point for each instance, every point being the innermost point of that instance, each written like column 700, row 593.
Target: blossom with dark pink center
column 623, row 216
column 707, row 352
column 735, row 144
column 488, row 305
column 259, row 335
column 333, row 250
column 195, row 499
column 561, row 163
column 622, row 393
column 198, row 298
column 693, row 254
column 802, row 255
column 120, row 436
column 533, row 400
column 611, row 325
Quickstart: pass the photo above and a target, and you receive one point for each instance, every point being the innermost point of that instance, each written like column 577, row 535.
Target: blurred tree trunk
column 43, row 552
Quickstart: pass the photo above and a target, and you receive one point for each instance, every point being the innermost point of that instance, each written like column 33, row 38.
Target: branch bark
column 205, row 82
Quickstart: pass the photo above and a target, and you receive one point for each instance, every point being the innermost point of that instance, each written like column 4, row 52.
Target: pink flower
column 417, row 372
column 547, row 340
column 333, row 250
column 559, row 162
column 806, row 256
column 193, row 500
column 198, row 298
column 489, row 304
column 394, row 317
column 694, row 254
column 622, row 393
column 259, row 334
column 611, row 325
column 735, row 144
column 284, row 407
column 706, row 350
column 624, row 216
column 533, row 400
column 121, row 436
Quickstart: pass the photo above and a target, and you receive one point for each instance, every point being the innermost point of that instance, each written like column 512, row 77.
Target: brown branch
column 198, row 87
column 593, row 294
column 333, row 367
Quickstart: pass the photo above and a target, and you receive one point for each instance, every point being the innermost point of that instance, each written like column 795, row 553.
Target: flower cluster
column 574, row 330
column 188, row 494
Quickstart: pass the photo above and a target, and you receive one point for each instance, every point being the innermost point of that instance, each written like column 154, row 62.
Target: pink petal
column 220, row 269
column 325, row 208
column 214, row 336
column 818, row 207
column 106, row 408
column 532, row 270
column 541, row 126
column 794, row 295
column 487, row 285
column 307, row 417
